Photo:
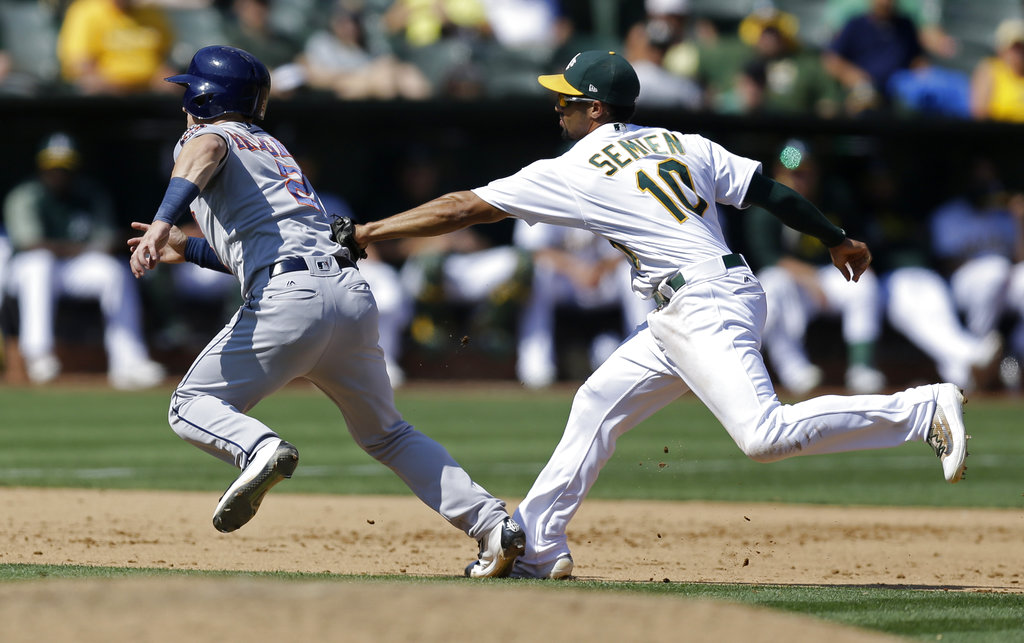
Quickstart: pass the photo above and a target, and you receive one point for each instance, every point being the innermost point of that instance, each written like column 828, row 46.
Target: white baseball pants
column 706, row 340
column 979, row 289
column 38, row 278
column 920, row 305
column 791, row 308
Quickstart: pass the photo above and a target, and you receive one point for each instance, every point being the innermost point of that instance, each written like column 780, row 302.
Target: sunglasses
column 563, row 100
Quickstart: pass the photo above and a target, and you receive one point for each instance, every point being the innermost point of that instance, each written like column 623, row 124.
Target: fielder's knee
column 761, row 448
column 764, row 452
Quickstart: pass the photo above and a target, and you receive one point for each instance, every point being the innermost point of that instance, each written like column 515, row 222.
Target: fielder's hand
column 851, row 257
column 343, row 232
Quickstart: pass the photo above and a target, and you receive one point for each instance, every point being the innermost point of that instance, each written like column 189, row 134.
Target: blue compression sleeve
column 180, row 193
column 199, row 252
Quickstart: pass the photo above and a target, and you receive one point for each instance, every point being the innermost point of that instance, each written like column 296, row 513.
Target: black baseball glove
column 343, row 230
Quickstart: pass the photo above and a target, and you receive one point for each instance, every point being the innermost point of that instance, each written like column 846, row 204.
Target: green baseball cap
column 604, row 75
column 58, row 152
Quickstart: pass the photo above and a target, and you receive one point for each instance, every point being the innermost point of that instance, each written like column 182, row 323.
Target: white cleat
column 272, row 463
column 42, row 370
column 947, row 434
column 140, row 375
column 804, row 380
column 498, row 551
column 864, row 380
column 561, row 569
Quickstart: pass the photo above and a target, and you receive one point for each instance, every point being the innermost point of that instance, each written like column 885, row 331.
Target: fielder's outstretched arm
column 850, row 256
column 444, row 214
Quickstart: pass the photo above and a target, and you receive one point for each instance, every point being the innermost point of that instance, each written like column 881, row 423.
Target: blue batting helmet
column 224, row 80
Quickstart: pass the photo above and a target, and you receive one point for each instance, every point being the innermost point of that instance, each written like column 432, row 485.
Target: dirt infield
column 957, row 549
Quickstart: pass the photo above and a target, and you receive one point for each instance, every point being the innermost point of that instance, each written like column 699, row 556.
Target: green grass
column 104, row 439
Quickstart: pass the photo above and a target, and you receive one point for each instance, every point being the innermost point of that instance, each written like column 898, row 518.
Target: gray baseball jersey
column 262, row 197
column 310, row 317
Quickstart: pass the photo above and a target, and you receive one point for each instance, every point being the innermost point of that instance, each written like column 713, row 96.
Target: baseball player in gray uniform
column 307, row 312
column 654, row 194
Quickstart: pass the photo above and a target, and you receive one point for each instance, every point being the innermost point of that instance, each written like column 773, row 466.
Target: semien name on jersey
column 612, row 159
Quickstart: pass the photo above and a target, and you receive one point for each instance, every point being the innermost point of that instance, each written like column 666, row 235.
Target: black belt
column 730, row 261
column 677, row 281
column 294, row 264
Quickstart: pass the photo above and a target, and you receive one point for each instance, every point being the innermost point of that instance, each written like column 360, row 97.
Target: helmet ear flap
column 263, row 83
column 259, row 112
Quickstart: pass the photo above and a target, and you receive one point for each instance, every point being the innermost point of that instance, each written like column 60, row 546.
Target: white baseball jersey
column 652, row 192
column 244, row 204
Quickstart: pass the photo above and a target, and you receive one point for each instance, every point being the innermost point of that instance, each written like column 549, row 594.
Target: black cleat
column 271, row 464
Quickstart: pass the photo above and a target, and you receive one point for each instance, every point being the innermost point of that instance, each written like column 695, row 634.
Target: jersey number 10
column 675, row 175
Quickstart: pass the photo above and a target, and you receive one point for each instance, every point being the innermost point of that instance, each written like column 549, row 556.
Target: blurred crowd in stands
column 957, row 58
column 948, row 277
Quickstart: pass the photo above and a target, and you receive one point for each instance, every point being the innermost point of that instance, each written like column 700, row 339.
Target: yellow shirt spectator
column 113, row 45
column 424, row 21
column 997, row 86
column 1006, row 103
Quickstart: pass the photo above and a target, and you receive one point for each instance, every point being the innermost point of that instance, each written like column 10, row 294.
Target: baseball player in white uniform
column 307, row 312
column 61, row 227
column 655, row 194
column 977, row 237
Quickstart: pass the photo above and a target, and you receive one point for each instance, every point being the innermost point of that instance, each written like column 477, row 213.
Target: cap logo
column 573, row 61
column 592, row 88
